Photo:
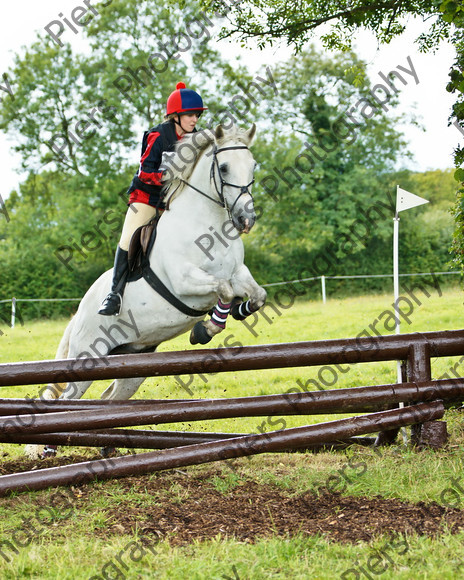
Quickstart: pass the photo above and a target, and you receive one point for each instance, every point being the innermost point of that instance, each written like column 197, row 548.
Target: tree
column 295, row 22
column 329, row 146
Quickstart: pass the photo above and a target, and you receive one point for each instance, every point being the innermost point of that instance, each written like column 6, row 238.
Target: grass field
column 83, row 535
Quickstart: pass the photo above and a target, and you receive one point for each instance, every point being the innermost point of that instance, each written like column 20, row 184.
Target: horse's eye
column 224, row 168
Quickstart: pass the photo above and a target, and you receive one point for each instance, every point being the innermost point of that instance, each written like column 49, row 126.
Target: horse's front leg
column 193, row 280
column 204, row 331
column 193, row 277
column 243, row 284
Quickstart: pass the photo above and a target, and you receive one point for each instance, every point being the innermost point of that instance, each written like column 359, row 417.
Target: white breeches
column 137, row 215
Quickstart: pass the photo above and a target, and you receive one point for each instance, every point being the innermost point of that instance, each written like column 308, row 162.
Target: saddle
column 138, row 257
column 140, row 246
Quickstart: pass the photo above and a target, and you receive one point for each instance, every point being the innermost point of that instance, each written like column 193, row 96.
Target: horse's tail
column 54, row 390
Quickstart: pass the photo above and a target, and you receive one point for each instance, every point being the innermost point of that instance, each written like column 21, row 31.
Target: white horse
column 198, row 254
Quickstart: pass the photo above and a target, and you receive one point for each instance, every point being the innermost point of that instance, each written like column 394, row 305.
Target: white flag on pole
column 406, row 200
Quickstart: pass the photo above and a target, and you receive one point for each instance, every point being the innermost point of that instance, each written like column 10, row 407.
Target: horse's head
column 220, row 159
column 232, row 174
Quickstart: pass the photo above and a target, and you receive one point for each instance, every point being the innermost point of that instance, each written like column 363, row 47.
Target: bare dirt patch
column 187, row 507
column 251, row 510
column 23, row 464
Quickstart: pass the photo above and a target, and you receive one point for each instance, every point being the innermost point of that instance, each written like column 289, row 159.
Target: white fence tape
column 322, row 278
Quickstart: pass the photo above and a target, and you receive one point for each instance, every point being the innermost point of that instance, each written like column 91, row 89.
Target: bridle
column 222, row 182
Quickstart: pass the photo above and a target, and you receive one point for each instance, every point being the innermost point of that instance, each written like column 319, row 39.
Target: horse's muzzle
column 244, row 222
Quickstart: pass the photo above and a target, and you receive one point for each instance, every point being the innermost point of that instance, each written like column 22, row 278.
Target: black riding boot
column 112, row 303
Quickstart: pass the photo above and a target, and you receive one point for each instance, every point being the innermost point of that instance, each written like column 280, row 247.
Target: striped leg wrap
column 241, row 311
column 220, row 314
column 49, row 451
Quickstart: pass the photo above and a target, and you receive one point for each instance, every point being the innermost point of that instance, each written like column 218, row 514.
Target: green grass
column 298, row 558
column 66, row 549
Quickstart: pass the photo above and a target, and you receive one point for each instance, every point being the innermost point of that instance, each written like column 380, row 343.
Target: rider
column 183, row 109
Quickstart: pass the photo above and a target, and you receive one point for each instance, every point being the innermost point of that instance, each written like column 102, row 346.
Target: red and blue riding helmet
column 184, row 100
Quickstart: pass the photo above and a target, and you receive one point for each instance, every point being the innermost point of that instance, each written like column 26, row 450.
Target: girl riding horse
column 183, row 109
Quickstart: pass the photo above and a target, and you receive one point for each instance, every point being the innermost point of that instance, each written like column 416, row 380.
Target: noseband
column 222, row 182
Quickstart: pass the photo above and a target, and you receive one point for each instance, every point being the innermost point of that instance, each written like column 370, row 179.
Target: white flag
column 406, row 200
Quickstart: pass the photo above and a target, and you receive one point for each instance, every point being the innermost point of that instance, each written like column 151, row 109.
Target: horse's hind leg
column 54, row 390
column 75, row 390
column 122, row 389
column 119, row 390
column 68, row 391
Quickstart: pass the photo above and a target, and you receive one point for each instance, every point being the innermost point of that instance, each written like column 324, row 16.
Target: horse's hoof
column 199, row 334
column 106, row 452
column 235, row 308
column 241, row 310
column 49, row 451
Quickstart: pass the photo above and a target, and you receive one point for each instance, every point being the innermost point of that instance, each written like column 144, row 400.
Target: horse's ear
column 219, row 132
column 250, row 133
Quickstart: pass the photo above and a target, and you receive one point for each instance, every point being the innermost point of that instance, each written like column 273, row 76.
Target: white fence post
column 13, row 312
column 324, row 297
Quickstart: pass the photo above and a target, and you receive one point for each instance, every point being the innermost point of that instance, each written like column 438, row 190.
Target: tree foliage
column 295, row 21
column 328, row 179
column 338, row 21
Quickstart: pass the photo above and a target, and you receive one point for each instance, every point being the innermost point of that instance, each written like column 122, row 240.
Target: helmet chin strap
column 178, row 121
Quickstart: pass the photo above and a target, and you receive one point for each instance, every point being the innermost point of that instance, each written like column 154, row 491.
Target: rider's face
column 188, row 122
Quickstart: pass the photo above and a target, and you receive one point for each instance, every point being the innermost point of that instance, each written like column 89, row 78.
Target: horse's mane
column 181, row 164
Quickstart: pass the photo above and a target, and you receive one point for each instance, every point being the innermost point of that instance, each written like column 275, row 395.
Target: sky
column 424, row 95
